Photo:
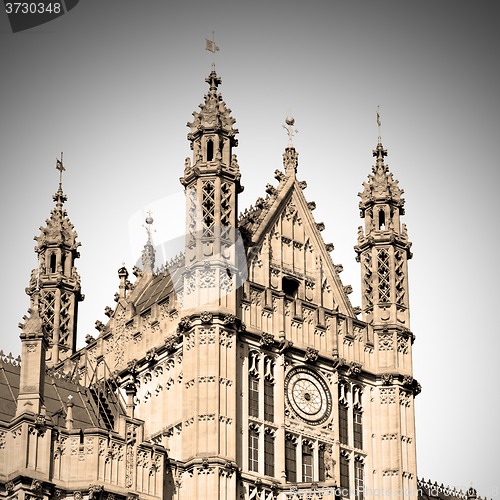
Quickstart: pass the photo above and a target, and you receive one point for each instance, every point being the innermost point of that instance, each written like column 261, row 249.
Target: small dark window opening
column 221, row 147
column 210, row 151
column 53, row 263
column 63, row 262
column 290, row 286
column 381, row 220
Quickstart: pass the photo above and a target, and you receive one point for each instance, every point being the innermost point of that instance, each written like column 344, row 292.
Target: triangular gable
column 294, row 237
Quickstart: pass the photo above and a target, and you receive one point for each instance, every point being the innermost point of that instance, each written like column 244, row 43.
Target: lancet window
column 343, row 414
column 307, row 462
column 253, row 449
column 357, row 417
column 269, row 452
column 344, row 474
column 291, row 458
column 359, row 478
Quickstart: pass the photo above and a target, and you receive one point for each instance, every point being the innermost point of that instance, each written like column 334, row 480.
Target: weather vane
column 378, row 121
column 149, row 220
column 60, row 167
column 290, row 120
column 212, row 48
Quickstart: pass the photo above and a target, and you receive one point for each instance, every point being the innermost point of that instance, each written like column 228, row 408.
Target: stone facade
column 241, row 370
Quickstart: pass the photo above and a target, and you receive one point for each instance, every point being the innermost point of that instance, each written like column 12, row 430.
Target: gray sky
column 113, row 83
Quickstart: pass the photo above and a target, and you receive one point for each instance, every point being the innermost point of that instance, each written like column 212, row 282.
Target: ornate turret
column 383, row 247
column 55, row 287
column 212, row 183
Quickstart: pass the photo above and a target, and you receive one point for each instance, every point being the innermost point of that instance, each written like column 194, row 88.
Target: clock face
column 308, row 394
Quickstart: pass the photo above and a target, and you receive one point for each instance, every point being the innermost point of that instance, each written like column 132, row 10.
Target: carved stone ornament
column 151, row 355
column 206, row 317
column 9, row 487
column 184, row 324
column 95, row 491
column 311, row 354
column 229, row 319
column 387, row 378
column 267, row 340
column 77, row 495
column 354, row 369
column 36, row 485
column 170, row 343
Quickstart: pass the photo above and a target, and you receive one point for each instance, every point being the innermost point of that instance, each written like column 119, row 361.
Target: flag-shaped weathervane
column 211, row 44
column 60, row 167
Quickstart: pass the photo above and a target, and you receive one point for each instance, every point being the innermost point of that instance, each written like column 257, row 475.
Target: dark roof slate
column 56, row 393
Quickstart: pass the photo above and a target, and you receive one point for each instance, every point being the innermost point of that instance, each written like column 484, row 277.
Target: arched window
column 290, row 459
column 359, row 479
column 344, row 475
column 210, row 150
column 381, row 220
column 63, row 262
column 53, row 263
column 253, row 451
column 268, row 454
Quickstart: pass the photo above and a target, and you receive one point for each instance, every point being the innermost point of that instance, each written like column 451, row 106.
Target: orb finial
column 290, row 121
column 149, row 221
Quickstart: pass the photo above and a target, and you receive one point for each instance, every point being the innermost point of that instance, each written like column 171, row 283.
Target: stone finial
column 290, row 160
column 123, row 275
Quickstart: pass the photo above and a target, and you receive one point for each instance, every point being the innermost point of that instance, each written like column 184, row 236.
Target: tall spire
column 148, row 253
column 55, row 287
column 212, row 183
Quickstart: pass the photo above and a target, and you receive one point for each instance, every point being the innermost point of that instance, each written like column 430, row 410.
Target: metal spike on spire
column 59, row 197
column 60, row 167
column 378, row 123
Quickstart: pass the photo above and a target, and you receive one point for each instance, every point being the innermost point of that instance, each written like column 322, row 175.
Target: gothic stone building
column 239, row 371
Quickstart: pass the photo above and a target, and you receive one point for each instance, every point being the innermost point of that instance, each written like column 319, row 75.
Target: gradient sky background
column 113, row 83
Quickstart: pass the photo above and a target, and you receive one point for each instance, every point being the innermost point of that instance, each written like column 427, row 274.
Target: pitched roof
column 56, row 393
